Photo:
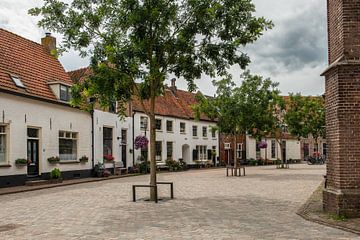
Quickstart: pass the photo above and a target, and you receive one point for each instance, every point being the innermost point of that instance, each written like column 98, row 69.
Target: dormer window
column 17, row 81
column 65, row 93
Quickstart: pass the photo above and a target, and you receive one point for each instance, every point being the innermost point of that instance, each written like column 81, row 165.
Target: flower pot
column 20, row 165
column 56, row 180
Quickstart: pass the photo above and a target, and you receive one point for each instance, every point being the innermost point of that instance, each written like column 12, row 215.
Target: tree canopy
column 136, row 44
column 306, row 116
column 145, row 40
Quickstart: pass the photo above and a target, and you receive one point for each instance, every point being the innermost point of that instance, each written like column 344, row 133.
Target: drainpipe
column 92, row 139
column 92, row 102
column 133, row 137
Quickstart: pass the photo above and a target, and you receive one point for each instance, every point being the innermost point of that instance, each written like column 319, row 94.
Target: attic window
column 65, row 93
column 17, row 81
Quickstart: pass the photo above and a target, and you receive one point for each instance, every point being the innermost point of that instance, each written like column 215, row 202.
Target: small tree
column 306, row 117
column 225, row 108
column 241, row 110
column 143, row 41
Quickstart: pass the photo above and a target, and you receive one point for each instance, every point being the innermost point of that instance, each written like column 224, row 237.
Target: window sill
column 158, row 130
column 183, row 133
column 195, row 137
column 5, row 165
column 170, row 131
column 69, row 162
column 205, row 138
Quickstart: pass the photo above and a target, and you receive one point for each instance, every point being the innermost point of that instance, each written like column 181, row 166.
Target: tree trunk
column 152, row 147
column 281, row 153
column 235, row 157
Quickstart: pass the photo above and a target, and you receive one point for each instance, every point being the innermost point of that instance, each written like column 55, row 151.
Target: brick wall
column 342, row 101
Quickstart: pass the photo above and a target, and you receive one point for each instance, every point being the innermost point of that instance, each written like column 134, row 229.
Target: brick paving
column 208, row 205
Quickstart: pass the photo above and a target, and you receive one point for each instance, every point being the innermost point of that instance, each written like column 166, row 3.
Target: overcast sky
column 293, row 53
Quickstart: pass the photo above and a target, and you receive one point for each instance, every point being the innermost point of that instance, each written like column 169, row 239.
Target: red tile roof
column 31, row 63
column 174, row 103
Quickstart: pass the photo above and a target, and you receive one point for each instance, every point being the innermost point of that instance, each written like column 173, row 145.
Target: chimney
column 49, row 43
column 173, row 83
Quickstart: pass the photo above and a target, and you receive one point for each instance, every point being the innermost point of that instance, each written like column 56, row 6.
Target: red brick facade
column 227, row 155
column 342, row 195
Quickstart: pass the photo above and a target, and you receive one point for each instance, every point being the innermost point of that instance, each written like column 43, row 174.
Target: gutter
column 92, row 139
column 133, row 136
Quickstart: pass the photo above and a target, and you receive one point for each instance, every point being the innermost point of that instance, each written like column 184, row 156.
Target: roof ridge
column 79, row 69
column 17, row 35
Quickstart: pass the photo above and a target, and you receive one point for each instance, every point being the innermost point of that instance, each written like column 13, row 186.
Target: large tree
column 143, row 41
column 246, row 109
column 305, row 116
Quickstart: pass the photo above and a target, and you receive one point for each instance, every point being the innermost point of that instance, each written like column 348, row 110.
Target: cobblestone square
column 207, row 205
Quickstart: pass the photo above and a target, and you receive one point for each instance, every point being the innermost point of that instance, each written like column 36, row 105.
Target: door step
column 36, row 182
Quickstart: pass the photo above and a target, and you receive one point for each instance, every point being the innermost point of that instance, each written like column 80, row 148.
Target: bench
column 118, row 167
column 156, row 189
column 235, row 170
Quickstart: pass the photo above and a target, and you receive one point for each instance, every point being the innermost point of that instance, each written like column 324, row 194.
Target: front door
column 33, row 157
column 284, row 151
column 124, row 147
column 33, row 151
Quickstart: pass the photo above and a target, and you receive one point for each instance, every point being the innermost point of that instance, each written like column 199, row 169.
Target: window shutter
column 195, row 155
column 209, row 155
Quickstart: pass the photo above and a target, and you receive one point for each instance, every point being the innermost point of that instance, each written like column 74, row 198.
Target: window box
column 108, row 158
column 21, row 162
column 53, row 160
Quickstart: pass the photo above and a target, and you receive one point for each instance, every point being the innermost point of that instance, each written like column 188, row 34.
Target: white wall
column 111, row 120
column 178, row 139
column 293, row 149
column 19, row 113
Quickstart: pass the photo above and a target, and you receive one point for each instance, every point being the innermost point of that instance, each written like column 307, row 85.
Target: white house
column 113, row 137
column 36, row 120
column 178, row 136
column 291, row 149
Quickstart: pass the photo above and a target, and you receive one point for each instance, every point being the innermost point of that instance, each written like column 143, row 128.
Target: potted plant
column 99, row 170
column 20, row 162
column 108, row 158
column 84, row 159
column 55, row 176
column 53, row 160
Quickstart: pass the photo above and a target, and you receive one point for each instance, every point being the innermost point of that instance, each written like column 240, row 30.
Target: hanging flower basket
column 262, row 144
column 141, row 142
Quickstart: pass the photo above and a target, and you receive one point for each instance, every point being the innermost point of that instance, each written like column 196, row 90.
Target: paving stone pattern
column 207, row 205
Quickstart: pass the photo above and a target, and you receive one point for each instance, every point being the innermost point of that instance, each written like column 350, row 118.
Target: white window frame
column 172, row 149
column 239, row 149
column 158, row 119
column 183, row 130
column 69, row 136
column 172, row 126
column 227, row 146
column 195, row 127
column 5, row 133
column 144, row 123
column 68, row 93
column 158, row 157
column 204, row 132
column 202, row 152
column 213, row 133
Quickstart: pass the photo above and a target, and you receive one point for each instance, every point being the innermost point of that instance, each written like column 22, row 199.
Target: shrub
column 173, row 165
column 84, row 159
column 21, row 161
column 99, row 169
column 55, row 173
column 53, row 159
column 144, row 167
